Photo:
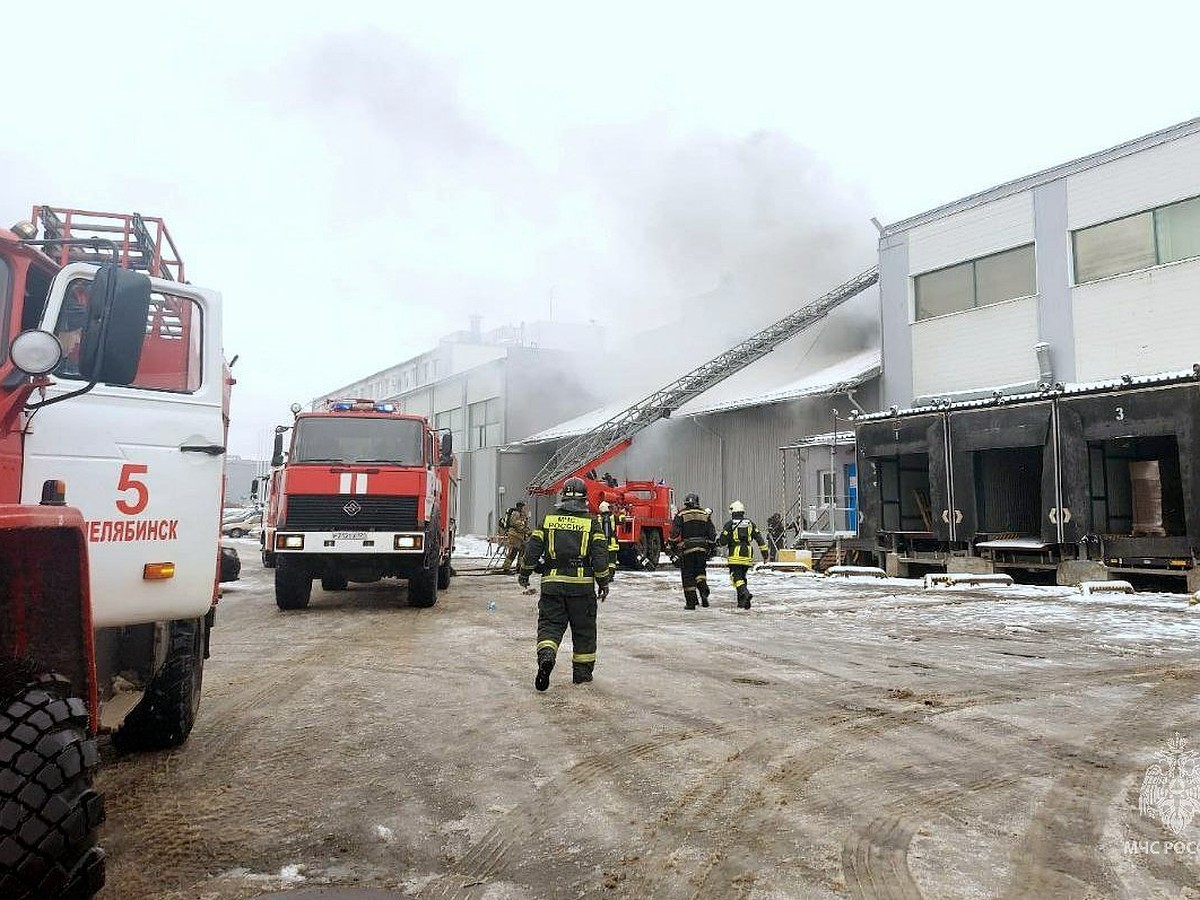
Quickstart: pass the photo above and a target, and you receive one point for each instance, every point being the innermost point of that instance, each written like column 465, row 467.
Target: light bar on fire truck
column 360, row 406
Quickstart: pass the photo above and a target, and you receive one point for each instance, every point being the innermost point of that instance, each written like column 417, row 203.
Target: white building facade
column 1098, row 258
column 1040, row 386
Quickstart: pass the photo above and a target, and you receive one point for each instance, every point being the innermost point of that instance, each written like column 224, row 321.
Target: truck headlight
column 409, row 542
column 289, row 542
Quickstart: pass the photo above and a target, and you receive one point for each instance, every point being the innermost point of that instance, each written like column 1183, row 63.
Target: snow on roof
column 1073, row 388
column 747, row 388
column 581, row 424
column 825, row 439
column 745, row 392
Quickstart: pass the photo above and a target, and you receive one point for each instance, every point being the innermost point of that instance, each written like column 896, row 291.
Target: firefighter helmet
column 737, row 506
column 574, row 489
column 604, row 507
column 692, row 501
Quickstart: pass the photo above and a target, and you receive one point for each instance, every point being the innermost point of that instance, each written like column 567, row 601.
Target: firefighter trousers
column 558, row 607
column 737, row 574
column 693, row 569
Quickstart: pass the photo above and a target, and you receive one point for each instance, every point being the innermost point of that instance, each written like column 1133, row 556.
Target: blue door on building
column 851, row 474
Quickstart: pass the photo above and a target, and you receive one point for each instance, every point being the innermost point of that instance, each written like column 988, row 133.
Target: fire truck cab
column 113, row 398
column 363, row 493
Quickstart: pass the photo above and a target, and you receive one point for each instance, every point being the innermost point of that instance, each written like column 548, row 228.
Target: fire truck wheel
column 49, row 814
column 268, row 559
column 423, row 587
column 167, row 710
column 293, row 585
column 627, row 556
column 652, row 549
column 334, row 583
column 444, row 573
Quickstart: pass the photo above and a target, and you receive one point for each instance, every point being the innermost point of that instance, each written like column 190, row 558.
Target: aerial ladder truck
column 643, row 508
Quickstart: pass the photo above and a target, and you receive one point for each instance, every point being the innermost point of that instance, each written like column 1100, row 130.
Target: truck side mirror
column 277, row 454
column 254, row 489
column 447, row 449
column 110, row 347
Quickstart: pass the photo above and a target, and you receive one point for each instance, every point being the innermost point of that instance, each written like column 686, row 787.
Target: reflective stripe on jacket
column 566, row 551
column 737, row 535
column 694, row 531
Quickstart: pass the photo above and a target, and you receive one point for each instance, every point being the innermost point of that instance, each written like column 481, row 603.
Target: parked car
column 231, row 564
column 236, row 526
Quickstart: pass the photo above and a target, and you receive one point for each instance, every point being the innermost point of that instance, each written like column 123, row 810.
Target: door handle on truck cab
column 210, row 449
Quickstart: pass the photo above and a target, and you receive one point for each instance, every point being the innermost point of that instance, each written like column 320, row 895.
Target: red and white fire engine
column 642, row 510
column 113, row 398
column 364, row 493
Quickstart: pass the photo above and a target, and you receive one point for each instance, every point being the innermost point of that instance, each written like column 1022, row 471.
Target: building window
column 485, row 428
column 977, row 282
column 1162, row 235
column 451, row 419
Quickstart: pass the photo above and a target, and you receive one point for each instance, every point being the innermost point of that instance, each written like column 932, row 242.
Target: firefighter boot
column 702, row 586
column 545, row 667
column 581, row 674
column 689, row 597
column 743, row 597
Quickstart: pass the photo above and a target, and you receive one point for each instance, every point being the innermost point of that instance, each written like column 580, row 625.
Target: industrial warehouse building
column 513, row 395
column 466, row 384
column 1040, row 402
column 1031, row 408
column 745, row 440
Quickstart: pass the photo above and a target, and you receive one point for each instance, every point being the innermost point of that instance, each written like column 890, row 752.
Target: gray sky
column 358, row 178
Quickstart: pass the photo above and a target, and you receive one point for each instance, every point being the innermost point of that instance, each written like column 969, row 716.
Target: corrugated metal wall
column 731, row 456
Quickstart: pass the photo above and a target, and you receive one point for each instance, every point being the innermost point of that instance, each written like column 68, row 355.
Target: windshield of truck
column 5, row 282
column 367, row 440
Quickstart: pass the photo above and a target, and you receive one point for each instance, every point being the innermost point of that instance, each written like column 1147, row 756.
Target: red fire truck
column 364, row 493
column 642, row 510
column 105, row 605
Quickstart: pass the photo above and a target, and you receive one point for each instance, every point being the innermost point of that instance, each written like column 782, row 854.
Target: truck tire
column 444, row 573
column 49, row 814
column 237, row 532
column 293, row 585
column 334, row 583
column 167, row 711
column 653, row 549
column 268, row 559
column 423, row 587
column 628, row 556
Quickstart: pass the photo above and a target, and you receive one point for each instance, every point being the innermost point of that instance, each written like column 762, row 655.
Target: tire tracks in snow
column 875, row 853
column 207, row 833
column 492, row 854
column 1058, row 855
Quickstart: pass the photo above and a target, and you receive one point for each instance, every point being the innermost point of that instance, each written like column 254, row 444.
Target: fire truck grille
column 345, row 512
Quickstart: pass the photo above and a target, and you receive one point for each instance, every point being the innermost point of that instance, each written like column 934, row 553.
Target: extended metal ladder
column 595, row 447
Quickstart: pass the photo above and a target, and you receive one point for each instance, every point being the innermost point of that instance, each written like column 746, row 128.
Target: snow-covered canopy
column 756, row 385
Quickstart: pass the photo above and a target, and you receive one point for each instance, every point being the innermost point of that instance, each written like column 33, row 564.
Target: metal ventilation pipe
column 1045, row 368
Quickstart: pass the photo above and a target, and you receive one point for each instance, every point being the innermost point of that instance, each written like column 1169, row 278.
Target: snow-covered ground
column 845, row 737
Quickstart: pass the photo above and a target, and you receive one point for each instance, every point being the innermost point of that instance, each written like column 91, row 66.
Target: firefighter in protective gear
column 608, row 523
column 570, row 550
column 737, row 536
column 514, row 529
column 694, row 537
